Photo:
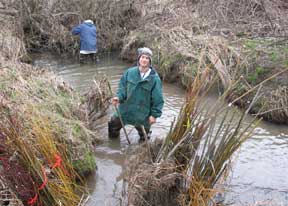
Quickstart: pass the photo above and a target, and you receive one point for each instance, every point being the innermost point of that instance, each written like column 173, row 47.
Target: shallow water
column 259, row 171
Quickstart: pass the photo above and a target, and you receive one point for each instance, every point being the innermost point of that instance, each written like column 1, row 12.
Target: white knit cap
column 89, row 21
column 145, row 51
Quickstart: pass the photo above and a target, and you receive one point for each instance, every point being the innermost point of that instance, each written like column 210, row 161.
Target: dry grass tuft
column 96, row 100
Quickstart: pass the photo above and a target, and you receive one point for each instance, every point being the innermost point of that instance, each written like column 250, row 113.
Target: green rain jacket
column 139, row 98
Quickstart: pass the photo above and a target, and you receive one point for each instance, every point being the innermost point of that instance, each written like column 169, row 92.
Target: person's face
column 144, row 60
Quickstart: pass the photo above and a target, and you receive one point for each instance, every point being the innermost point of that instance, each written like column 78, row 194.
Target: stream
column 259, row 170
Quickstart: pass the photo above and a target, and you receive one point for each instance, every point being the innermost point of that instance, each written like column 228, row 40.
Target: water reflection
column 259, row 170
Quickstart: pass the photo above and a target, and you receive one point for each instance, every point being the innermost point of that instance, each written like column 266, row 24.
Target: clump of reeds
column 43, row 159
column 200, row 144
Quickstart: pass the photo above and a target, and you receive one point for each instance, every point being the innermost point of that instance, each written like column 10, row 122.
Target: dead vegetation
column 12, row 47
column 244, row 40
column 96, row 101
column 48, row 24
column 149, row 183
column 227, row 18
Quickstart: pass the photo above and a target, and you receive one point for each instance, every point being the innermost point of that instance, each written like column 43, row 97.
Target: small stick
column 146, row 141
column 119, row 115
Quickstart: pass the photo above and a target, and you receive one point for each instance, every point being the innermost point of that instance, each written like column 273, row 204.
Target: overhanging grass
column 48, row 127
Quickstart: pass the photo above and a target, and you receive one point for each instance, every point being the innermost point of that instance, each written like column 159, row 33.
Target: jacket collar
column 152, row 73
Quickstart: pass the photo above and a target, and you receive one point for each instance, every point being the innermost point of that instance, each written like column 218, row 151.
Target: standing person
column 88, row 40
column 139, row 97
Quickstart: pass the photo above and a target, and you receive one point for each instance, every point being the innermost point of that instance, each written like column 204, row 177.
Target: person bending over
column 88, row 41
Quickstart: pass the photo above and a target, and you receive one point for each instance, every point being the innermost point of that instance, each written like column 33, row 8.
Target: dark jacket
column 88, row 36
column 139, row 98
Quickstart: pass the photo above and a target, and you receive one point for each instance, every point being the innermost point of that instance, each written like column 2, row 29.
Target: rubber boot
column 114, row 127
column 142, row 137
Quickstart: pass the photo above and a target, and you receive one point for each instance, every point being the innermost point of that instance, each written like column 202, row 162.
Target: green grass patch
column 260, row 70
column 252, row 78
column 85, row 165
column 274, row 56
column 255, row 76
column 250, row 44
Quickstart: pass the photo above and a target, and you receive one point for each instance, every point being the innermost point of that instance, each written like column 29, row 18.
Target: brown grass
column 48, row 24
